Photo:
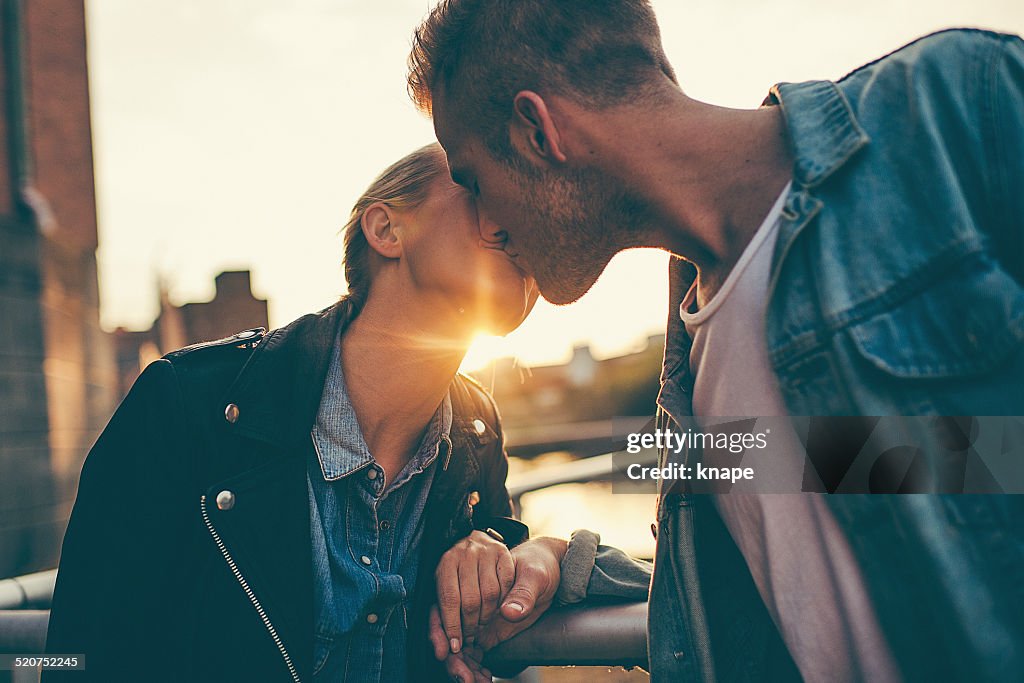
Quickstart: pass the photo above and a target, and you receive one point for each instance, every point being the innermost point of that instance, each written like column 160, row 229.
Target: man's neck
column 398, row 367
column 710, row 175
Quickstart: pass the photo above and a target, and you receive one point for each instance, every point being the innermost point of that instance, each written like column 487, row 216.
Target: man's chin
column 563, row 293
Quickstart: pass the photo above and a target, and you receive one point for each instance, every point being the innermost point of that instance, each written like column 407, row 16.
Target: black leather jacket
column 187, row 557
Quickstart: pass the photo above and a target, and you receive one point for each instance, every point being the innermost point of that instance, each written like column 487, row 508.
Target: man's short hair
column 480, row 53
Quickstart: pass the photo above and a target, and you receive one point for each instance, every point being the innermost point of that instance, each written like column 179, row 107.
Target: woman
column 272, row 507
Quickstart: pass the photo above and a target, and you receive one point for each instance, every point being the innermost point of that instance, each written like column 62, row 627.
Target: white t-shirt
column 801, row 563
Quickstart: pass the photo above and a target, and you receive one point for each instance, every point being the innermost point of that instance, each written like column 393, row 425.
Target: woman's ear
column 379, row 229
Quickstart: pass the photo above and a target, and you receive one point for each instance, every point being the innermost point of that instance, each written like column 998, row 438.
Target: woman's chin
column 499, row 321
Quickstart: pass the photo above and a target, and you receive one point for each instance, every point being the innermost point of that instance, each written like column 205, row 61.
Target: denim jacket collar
column 824, row 132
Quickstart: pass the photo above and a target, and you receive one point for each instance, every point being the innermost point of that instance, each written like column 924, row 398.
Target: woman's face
column 454, row 269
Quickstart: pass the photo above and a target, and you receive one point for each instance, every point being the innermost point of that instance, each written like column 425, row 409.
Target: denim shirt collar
column 338, row 440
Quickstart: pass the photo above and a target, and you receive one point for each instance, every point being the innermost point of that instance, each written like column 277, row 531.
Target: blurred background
column 173, row 171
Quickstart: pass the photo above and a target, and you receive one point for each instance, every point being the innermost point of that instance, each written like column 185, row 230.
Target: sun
column 485, row 349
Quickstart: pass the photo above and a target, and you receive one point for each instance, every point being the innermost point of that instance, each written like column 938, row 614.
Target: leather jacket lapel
column 261, row 518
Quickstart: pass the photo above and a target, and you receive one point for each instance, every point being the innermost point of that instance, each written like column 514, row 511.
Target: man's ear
column 379, row 229
column 534, row 127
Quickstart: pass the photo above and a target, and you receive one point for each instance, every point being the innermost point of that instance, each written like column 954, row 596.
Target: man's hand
column 536, row 576
column 472, row 577
column 537, row 564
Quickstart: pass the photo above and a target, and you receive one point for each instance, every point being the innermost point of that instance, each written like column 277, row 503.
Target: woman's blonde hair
column 404, row 184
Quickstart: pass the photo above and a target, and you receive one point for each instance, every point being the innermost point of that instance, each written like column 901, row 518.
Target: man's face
column 560, row 227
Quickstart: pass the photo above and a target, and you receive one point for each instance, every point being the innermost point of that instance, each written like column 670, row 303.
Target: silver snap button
column 365, row 560
column 371, row 618
column 246, row 334
column 225, row 500
column 371, row 473
column 479, row 426
column 231, row 413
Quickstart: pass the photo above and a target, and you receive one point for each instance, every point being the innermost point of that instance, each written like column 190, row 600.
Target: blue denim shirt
column 365, row 536
column 897, row 288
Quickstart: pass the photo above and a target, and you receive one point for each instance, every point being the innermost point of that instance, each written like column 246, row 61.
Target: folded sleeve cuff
column 577, row 566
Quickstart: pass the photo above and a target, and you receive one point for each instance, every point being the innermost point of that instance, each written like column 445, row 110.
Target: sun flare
column 485, row 349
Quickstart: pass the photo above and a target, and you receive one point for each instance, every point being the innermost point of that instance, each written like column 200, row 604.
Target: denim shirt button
column 371, row 618
column 366, row 560
column 679, row 654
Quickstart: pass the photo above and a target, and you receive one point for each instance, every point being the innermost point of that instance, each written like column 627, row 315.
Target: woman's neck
column 398, row 365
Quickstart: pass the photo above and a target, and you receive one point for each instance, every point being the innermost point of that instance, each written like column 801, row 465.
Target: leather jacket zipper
column 248, row 591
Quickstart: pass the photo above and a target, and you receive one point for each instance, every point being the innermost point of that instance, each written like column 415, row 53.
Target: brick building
column 57, row 373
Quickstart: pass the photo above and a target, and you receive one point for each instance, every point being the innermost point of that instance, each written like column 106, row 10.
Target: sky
column 236, row 134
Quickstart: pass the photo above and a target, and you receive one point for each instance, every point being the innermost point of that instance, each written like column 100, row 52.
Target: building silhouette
column 232, row 309
column 584, row 389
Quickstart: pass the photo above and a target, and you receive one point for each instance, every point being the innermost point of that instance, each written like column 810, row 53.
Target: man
column 858, row 247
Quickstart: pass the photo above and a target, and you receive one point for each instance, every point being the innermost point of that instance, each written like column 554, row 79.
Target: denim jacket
column 897, row 288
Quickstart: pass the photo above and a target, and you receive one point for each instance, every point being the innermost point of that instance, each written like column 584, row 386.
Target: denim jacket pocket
column 967, row 322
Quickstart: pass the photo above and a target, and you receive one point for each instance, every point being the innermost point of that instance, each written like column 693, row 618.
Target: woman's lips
column 512, row 256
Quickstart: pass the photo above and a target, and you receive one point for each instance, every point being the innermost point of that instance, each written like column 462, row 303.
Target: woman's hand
column 464, row 667
column 472, row 578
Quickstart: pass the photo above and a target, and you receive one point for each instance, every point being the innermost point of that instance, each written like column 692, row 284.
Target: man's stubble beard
column 580, row 220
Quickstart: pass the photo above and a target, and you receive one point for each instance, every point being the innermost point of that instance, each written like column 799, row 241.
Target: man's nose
column 491, row 233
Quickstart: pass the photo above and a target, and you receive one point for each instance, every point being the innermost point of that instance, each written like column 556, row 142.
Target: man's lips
column 523, row 269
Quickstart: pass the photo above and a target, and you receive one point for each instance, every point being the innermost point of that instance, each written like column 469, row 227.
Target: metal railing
column 31, row 591
column 606, row 635
column 23, row 631
column 591, row 635
column 595, row 468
